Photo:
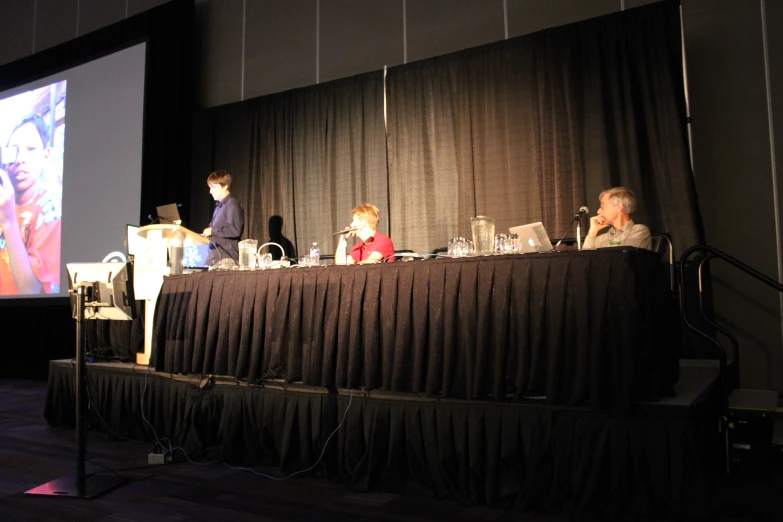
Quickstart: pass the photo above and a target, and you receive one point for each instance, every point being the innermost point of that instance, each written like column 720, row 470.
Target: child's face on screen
column 31, row 157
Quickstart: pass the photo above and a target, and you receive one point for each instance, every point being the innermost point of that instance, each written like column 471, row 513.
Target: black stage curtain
column 524, row 130
column 308, row 155
column 532, row 128
column 115, row 340
column 594, row 328
column 509, row 455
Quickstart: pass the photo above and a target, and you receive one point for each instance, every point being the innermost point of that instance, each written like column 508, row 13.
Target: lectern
column 162, row 256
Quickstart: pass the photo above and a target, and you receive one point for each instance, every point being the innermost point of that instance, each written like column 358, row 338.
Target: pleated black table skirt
column 593, row 328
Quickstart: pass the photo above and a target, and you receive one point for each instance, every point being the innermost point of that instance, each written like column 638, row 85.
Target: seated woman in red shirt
column 374, row 247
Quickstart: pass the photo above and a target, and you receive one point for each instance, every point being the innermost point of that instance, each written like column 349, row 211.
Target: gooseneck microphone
column 346, row 230
column 583, row 210
column 152, row 220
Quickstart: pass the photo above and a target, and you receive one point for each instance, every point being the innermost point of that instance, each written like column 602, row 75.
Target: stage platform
column 661, row 456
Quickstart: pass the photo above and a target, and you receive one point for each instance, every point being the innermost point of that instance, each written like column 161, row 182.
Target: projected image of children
column 32, row 126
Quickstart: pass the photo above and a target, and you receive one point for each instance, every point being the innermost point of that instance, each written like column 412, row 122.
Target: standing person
column 617, row 204
column 228, row 220
column 30, row 215
column 374, row 247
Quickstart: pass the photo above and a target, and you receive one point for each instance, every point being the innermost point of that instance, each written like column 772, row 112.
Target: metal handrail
column 715, row 253
column 712, row 323
column 672, row 281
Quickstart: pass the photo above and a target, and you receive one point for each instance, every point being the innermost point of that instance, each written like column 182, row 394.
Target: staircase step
column 753, row 401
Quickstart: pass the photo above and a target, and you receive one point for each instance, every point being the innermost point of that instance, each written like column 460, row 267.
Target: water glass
column 452, row 245
column 460, row 247
column 264, row 261
column 515, row 247
column 500, row 243
column 304, row 261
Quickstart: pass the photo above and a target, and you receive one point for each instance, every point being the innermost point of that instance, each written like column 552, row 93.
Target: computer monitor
column 109, row 290
column 532, row 237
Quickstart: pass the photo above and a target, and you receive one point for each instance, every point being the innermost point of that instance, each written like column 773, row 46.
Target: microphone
column 346, row 230
column 152, row 221
column 581, row 212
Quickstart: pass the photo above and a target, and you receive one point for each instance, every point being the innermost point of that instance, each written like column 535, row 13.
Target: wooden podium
column 150, row 268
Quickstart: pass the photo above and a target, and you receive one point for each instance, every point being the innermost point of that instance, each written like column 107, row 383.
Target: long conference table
column 597, row 329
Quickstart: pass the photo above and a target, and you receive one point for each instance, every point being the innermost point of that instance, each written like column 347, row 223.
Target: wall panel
column 774, row 12
column 219, row 51
column 96, row 14
column 529, row 16
column 438, row 27
column 55, row 22
column 358, row 36
column 733, row 174
column 138, row 6
column 16, row 38
column 279, row 46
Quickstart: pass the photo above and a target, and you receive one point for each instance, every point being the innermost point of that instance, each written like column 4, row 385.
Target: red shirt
column 375, row 243
column 40, row 224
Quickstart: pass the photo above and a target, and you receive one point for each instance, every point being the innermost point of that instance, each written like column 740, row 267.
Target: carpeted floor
column 32, row 453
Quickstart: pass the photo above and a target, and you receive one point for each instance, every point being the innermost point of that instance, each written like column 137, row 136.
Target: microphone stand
column 578, row 220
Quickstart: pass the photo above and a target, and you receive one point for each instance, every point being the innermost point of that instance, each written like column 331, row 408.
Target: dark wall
column 248, row 48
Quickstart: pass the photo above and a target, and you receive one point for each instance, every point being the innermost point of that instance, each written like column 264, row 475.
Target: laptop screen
column 533, row 237
column 168, row 214
column 195, row 256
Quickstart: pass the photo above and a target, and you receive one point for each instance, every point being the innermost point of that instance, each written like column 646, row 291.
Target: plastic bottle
column 315, row 255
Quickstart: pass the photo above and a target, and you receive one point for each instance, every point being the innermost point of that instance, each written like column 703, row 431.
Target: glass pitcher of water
column 483, row 228
column 247, row 254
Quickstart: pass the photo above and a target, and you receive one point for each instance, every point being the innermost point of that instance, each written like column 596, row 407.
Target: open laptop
column 532, row 237
column 195, row 256
column 169, row 214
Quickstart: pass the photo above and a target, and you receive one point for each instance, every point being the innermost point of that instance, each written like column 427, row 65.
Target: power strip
column 154, row 459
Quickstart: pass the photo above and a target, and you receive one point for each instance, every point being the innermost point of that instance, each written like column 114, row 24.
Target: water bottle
column 315, row 255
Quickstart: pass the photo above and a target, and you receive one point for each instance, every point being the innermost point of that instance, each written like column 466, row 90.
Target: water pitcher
column 483, row 228
column 246, row 248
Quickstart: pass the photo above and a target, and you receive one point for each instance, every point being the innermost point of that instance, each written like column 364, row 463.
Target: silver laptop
column 168, row 214
column 532, row 237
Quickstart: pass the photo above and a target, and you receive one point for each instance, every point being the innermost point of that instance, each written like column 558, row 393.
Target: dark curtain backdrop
column 309, row 155
column 524, row 130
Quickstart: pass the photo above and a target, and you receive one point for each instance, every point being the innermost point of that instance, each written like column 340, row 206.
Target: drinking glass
column 500, row 243
column 514, row 246
column 264, row 261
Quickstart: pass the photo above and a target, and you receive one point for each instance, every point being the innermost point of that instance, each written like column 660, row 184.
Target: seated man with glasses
column 617, row 204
